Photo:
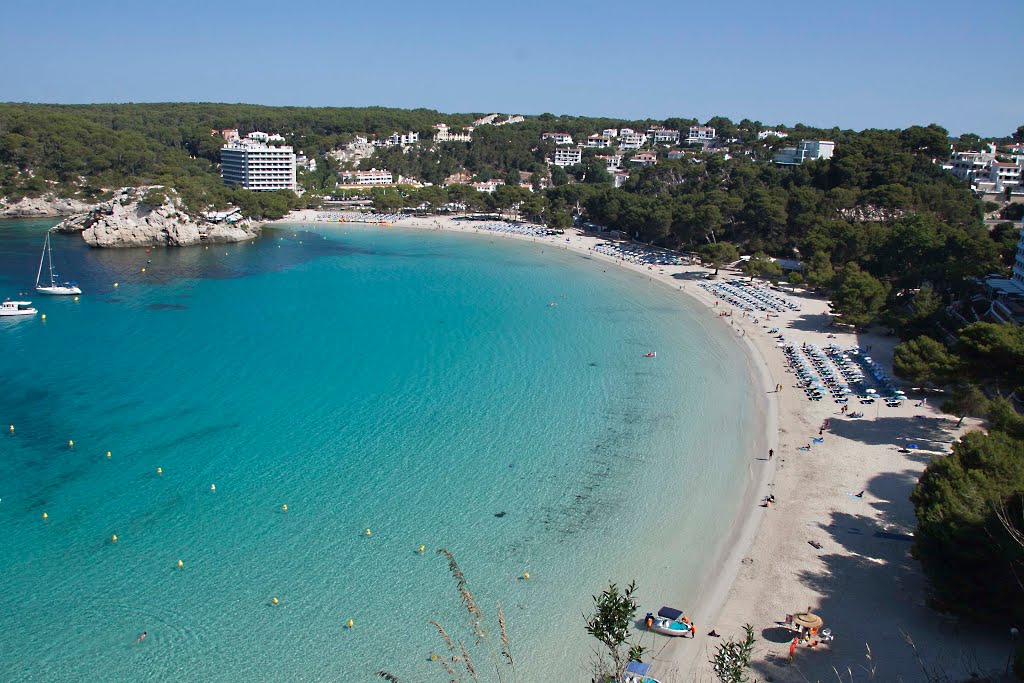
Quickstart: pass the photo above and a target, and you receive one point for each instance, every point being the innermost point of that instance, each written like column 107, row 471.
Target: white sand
column 863, row 582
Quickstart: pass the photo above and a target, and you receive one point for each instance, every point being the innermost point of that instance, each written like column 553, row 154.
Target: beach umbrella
column 912, row 445
column 901, row 393
column 870, row 391
column 808, row 620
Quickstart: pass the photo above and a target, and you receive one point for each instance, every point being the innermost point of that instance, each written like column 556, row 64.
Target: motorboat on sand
column 670, row 622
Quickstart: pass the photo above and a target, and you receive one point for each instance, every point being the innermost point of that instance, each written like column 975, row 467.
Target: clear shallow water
column 416, row 383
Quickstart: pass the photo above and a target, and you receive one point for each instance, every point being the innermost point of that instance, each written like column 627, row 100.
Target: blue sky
column 862, row 64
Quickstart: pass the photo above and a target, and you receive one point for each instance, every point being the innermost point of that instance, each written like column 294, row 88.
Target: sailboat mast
column 49, row 251
column 41, row 257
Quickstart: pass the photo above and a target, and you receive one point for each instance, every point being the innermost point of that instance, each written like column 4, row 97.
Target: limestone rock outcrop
column 127, row 220
column 38, row 207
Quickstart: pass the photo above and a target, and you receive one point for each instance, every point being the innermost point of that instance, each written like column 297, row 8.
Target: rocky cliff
column 47, row 205
column 128, row 221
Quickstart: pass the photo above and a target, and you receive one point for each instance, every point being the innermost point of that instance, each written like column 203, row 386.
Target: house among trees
column 568, row 156
column 645, row 159
column 701, row 135
column 559, row 138
column 806, row 150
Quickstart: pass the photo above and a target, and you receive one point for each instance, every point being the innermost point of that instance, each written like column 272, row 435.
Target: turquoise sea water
column 416, row 383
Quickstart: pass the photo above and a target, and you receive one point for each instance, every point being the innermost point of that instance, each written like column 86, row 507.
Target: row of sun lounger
column 749, row 297
column 357, row 217
column 842, row 375
column 636, row 253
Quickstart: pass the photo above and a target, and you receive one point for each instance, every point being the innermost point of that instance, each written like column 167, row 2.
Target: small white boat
column 54, row 287
column 17, row 308
column 669, row 622
column 637, row 672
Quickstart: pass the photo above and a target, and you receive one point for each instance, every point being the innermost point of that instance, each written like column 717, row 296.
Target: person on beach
column 771, row 452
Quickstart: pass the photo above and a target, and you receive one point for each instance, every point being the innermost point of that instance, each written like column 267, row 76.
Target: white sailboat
column 52, row 288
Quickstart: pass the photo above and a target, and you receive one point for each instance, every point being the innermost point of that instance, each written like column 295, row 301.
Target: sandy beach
column 862, row 580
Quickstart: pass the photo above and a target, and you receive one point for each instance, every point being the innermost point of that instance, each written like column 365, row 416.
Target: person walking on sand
column 771, row 452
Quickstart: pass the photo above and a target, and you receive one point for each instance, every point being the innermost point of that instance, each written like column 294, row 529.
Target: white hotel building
column 256, row 165
column 1007, row 304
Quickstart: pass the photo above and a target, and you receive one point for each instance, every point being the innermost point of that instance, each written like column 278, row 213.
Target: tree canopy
column 971, row 558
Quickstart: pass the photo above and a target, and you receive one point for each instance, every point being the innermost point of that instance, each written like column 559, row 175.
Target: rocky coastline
column 42, row 207
column 127, row 220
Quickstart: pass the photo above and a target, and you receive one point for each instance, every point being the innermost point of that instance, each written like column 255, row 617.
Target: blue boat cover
column 670, row 613
column 638, row 668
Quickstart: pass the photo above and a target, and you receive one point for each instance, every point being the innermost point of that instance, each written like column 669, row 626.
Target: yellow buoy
column 433, row 657
column 213, row 487
column 285, row 507
column 180, row 564
column 115, row 284
column 44, row 316
column 367, row 532
column 142, row 270
column 108, row 454
column 12, row 428
column 275, row 601
column 46, row 516
column 159, row 471
column 526, row 576
column 76, row 298
column 71, row 444
column 422, row 548
column 114, row 538
column 351, row 623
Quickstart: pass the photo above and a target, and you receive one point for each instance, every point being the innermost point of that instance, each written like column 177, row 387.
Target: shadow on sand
column 874, row 598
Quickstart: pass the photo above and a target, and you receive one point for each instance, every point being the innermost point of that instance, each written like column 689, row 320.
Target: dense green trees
column 858, row 297
column 927, row 361
column 718, row 254
column 760, row 265
column 973, row 561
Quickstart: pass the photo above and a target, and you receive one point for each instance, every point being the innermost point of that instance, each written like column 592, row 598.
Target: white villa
column 631, row 140
column 659, row 135
column 568, row 156
column 701, row 134
column 371, row 177
column 645, row 159
column 445, row 134
column 806, row 150
column 559, row 138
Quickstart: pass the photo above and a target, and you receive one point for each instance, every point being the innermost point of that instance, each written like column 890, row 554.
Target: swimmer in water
column 141, row 638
